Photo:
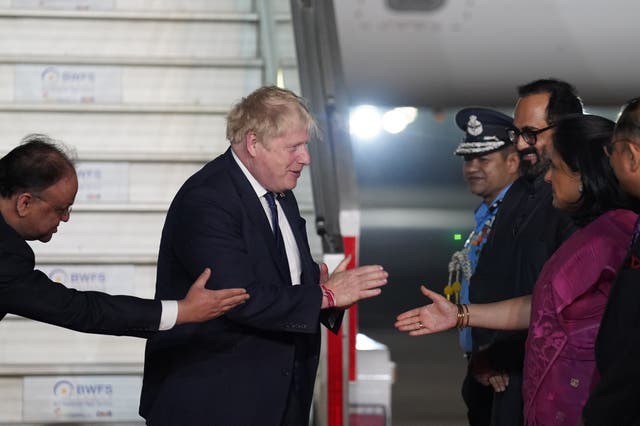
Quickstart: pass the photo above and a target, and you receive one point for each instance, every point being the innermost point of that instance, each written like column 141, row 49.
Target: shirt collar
column 485, row 210
column 259, row 189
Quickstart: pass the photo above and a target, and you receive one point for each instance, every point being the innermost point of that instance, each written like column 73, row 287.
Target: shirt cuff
column 169, row 314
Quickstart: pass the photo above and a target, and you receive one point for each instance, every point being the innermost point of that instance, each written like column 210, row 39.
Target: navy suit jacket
column 239, row 368
column 30, row 293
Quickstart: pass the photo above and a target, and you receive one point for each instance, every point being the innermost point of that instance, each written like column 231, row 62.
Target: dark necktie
column 271, row 201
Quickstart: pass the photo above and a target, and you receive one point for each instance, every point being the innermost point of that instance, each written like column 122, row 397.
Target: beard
column 532, row 171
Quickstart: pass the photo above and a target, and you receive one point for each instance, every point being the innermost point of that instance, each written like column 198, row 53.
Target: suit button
column 285, row 372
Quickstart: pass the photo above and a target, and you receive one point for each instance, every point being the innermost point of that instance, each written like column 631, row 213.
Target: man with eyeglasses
column 614, row 400
column 534, row 233
column 38, row 185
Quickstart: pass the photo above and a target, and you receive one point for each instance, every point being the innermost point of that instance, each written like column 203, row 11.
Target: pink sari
column 568, row 302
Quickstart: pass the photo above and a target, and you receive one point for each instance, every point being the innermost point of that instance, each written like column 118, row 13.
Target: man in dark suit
column 614, row 398
column 526, row 232
column 257, row 364
column 38, row 185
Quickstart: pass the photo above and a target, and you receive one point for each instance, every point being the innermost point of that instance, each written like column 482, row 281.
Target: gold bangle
column 466, row 312
column 462, row 318
column 459, row 316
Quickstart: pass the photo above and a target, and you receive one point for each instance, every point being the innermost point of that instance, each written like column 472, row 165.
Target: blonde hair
column 268, row 112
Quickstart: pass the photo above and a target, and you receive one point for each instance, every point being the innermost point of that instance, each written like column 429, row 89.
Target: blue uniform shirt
column 484, row 216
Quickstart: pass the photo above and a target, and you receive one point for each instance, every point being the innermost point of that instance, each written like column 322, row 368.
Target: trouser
column 486, row 408
column 507, row 408
column 295, row 414
column 479, row 400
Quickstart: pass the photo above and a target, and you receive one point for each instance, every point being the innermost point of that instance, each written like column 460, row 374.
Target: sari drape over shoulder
column 567, row 306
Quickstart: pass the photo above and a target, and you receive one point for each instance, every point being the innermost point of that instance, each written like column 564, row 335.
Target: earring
column 580, row 188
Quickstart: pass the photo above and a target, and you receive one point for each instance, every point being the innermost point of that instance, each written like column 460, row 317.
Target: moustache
column 527, row 151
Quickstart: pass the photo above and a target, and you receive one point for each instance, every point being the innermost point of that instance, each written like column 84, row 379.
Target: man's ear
column 24, row 201
column 513, row 162
column 251, row 140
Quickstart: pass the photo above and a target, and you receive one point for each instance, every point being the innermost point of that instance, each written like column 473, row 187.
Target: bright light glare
column 394, row 121
column 410, row 113
column 397, row 119
column 365, row 122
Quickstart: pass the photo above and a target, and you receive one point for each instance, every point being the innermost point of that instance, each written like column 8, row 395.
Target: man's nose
column 304, row 157
column 521, row 144
column 471, row 164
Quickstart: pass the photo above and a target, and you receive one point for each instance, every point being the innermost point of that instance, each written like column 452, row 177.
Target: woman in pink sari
column 564, row 312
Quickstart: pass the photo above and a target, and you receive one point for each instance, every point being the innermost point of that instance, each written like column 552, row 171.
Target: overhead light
column 365, row 121
column 396, row 120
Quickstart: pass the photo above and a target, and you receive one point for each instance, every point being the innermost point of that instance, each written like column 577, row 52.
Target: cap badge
column 474, row 127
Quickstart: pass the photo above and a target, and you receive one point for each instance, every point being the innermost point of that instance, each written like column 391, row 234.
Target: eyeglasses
column 608, row 147
column 529, row 135
column 60, row 211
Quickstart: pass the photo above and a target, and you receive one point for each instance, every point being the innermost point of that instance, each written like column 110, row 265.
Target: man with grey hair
column 238, row 216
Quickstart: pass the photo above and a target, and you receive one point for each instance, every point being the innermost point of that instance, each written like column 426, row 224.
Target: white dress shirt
column 290, row 245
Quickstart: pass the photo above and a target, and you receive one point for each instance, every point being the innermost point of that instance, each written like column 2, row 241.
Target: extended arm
column 347, row 287
column 511, row 314
column 211, row 228
column 31, row 294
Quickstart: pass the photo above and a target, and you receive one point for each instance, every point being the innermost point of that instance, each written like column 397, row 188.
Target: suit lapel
column 256, row 214
column 291, row 210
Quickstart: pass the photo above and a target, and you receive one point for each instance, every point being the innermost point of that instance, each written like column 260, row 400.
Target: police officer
column 490, row 166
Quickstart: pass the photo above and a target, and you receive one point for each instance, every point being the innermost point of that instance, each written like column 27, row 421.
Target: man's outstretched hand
column 351, row 285
column 201, row 304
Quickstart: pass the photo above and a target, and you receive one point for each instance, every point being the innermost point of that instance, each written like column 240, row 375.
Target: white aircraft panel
column 291, row 79
column 136, row 5
column 119, row 133
column 187, row 5
column 158, row 183
column 64, row 4
column 107, row 234
column 139, row 279
column 194, row 86
column 26, row 342
column 11, row 401
column 6, row 83
column 180, row 39
column 284, row 39
column 68, row 84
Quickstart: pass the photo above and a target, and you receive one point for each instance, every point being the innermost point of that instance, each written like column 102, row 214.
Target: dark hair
column 628, row 124
column 579, row 140
column 34, row 165
column 506, row 150
column 563, row 98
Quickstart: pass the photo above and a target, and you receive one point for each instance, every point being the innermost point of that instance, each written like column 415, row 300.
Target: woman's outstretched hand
column 438, row 316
